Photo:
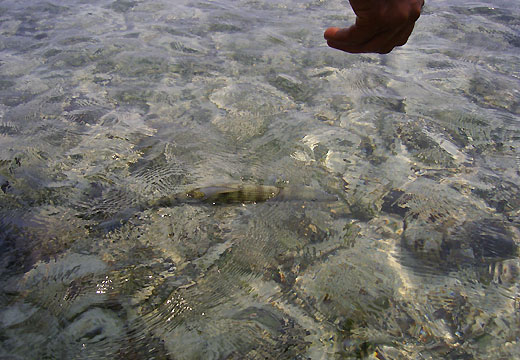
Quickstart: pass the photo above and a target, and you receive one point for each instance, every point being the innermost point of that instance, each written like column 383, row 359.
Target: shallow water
column 106, row 105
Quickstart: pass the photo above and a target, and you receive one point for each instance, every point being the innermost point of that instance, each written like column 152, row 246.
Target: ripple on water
column 106, row 105
column 248, row 109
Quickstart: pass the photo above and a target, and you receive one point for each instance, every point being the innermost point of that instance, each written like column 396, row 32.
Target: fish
column 221, row 194
column 242, row 194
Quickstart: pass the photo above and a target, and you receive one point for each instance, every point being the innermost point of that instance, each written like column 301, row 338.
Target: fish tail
column 304, row 193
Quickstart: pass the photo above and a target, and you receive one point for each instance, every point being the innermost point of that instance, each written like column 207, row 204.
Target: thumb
column 330, row 33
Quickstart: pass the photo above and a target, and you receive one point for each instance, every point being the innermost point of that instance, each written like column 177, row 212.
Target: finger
column 382, row 42
column 339, row 45
column 399, row 39
column 416, row 10
column 354, row 34
column 404, row 35
column 363, row 39
column 353, row 48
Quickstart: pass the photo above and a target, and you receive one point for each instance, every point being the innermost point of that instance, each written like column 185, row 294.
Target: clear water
column 107, row 104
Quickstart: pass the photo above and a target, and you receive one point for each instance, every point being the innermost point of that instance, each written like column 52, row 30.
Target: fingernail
column 330, row 32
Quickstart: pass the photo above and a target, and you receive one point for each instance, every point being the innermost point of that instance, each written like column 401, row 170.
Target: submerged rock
column 472, row 242
column 488, row 238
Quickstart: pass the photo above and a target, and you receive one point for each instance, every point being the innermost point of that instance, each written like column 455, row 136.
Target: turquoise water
column 107, row 105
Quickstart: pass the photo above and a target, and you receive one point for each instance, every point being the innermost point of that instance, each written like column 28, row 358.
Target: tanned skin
column 380, row 26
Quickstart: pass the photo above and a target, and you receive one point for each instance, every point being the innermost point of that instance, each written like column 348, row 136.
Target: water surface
column 106, row 105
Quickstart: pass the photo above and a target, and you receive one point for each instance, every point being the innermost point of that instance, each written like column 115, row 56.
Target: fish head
column 196, row 194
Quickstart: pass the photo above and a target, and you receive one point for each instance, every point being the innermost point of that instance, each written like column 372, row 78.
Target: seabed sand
column 106, row 105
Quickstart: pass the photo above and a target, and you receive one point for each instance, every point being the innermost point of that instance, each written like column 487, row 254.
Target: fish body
column 234, row 193
column 243, row 194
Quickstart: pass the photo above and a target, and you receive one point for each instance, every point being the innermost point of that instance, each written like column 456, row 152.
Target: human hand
column 380, row 26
